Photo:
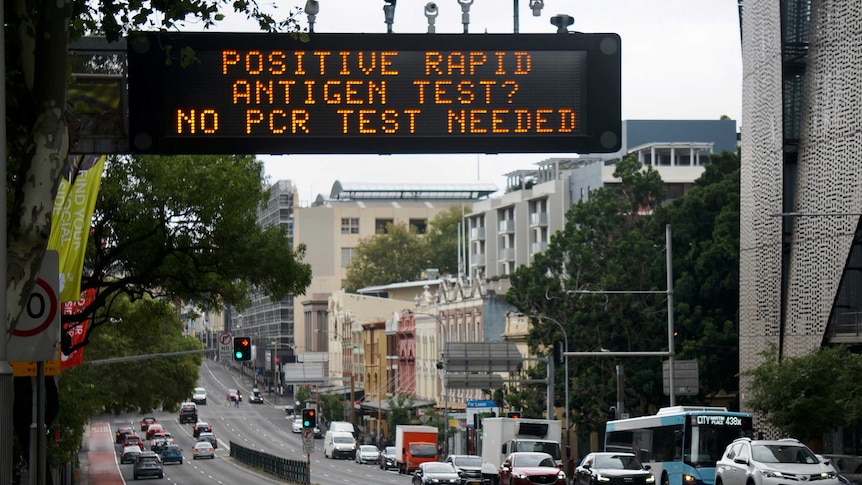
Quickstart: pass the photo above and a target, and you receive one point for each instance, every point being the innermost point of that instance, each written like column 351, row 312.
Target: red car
column 154, row 429
column 528, row 468
column 146, row 422
column 133, row 440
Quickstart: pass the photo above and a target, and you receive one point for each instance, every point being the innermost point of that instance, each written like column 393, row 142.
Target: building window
column 347, row 256
column 421, row 225
column 349, row 225
column 380, row 225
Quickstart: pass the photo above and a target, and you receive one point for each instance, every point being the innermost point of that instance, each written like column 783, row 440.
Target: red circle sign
column 224, row 338
column 49, row 318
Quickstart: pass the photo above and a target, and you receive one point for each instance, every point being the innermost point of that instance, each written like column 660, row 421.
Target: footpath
column 98, row 456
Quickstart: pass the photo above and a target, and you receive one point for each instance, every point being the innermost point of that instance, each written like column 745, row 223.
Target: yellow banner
column 70, row 219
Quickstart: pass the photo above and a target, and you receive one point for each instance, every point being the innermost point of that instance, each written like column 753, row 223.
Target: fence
column 295, row 471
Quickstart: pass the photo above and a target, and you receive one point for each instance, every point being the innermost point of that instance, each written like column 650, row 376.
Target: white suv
column 199, row 396
column 778, row 462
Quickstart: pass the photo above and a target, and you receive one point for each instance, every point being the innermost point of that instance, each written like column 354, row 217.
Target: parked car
column 209, row 437
column 148, row 465
column 387, row 458
column 201, row 427
column 771, row 462
column 530, row 467
column 367, row 454
column 437, row 473
column 469, row 467
column 606, row 467
column 203, row 449
column 199, row 396
column 122, row 432
column 172, row 454
column 147, row 421
column 130, row 454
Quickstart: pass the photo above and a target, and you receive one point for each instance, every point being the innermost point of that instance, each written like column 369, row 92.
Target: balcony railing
column 538, row 247
column 507, row 254
column 506, row 226
column 539, row 219
column 477, row 233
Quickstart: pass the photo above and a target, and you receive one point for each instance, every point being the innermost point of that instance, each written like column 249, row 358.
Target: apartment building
column 332, row 228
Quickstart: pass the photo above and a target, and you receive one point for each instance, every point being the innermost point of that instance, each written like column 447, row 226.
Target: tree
column 185, row 229
column 401, row 254
column 605, row 245
column 705, row 228
column 149, row 327
column 804, row 397
column 332, row 406
column 441, row 240
column 38, row 129
column 400, row 411
column 396, row 255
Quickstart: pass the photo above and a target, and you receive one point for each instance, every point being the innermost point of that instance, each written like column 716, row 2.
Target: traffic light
column 309, row 418
column 241, row 348
column 513, row 414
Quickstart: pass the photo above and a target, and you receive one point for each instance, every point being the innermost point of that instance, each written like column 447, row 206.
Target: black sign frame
column 153, row 78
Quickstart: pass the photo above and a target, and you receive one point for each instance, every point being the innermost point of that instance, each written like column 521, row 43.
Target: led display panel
column 246, row 93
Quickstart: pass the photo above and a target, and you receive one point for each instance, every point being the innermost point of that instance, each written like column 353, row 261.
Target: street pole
column 445, row 387
column 566, row 349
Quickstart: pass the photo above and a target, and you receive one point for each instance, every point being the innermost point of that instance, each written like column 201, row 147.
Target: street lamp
column 566, row 349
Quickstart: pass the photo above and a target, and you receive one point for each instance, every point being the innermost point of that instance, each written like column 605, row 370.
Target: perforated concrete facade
column 806, row 160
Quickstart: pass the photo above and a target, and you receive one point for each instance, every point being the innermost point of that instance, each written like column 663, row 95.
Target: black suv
column 188, row 413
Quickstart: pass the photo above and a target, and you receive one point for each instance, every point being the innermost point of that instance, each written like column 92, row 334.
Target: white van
column 339, row 444
column 343, row 426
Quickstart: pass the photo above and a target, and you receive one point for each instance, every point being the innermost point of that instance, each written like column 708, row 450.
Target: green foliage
column 403, row 255
column 610, row 242
column 185, row 228
column 332, row 406
column 401, row 411
column 302, row 394
column 804, row 397
column 143, row 327
column 705, row 227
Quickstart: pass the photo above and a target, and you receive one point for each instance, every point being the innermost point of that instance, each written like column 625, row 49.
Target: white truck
column 501, row 436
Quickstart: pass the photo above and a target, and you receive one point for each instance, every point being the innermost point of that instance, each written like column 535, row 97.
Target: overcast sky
column 681, row 59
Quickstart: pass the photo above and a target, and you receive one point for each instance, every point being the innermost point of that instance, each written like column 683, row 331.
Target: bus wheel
column 664, row 479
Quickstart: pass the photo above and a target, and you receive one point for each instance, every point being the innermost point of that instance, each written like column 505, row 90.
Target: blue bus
column 681, row 443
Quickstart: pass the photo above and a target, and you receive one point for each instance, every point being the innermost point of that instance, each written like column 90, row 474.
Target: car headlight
column 687, row 479
column 828, row 475
column 651, row 479
column 561, row 475
column 602, row 478
column 772, row 474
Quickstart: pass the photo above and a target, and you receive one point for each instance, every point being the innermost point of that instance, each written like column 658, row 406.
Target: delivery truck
column 501, row 436
column 414, row 444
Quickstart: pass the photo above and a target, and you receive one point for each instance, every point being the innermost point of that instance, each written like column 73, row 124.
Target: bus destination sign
column 238, row 93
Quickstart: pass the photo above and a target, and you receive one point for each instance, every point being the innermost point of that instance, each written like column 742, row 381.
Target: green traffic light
column 238, row 355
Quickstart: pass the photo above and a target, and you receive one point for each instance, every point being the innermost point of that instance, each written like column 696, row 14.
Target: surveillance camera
column 561, row 21
column 431, row 8
column 312, row 7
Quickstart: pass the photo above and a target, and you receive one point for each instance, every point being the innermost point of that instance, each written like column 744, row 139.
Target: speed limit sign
column 37, row 334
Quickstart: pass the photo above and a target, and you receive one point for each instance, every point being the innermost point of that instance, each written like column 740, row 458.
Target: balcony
column 507, row 254
column 506, row 226
column 538, row 219
column 477, row 233
column 538, row 247
column 476, row 257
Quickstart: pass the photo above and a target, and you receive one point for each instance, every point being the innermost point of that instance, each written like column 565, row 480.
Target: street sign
column 685, row 377
column 38, row 331
column 29, row 368
column 225, row 346
column 256, row 93
column 307, row 440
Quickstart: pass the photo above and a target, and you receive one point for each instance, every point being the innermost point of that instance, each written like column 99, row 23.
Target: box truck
column 414, row 444
column 501, row 436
